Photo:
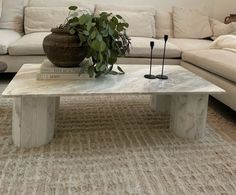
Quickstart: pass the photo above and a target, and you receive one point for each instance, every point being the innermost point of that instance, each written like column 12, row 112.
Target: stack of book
column 49, row 71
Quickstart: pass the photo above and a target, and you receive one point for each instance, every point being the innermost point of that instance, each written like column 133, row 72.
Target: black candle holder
column 162, row 76
column 150, row 76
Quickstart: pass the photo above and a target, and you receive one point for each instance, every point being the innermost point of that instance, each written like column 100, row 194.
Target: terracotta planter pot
column 63, row 49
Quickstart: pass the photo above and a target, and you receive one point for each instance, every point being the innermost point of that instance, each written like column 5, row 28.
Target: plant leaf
column 110, row 69
column 102, row 46
column 120, row 69
column 91, row 71
column 113, row 72
column 73, row 8
column 72, row 31
column 84, row 18
column 93, row 35
column 119, row 17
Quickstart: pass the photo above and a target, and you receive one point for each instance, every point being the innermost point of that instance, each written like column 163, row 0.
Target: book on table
column 49, row 71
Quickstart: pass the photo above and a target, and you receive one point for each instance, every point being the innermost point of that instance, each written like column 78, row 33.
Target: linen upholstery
column 141, row 24
column 12, row 15
column 30, row 44
column 62, row 3
column 164, row 24
column 225, row 42
column 14, row 63
column 42, row 19
column 228, row 97
column 217, row 61
column 190, row 23
column 140, row 18
column 7, row 37
column 219, row 28
column 190, row 44
column 119, row 7
column 140, row 47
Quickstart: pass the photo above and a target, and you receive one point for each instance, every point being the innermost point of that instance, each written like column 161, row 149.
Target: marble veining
column 33, row 120
column 180, row 81
column 188, row 115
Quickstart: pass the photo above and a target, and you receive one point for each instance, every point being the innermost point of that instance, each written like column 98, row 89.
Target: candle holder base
column 149, row 76
column 162, row 77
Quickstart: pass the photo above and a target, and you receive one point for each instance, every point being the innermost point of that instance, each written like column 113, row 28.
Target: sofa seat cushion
column 191, row 44
column 31, row 44
column 7, row 37
column 140, row 47
column 217, row 61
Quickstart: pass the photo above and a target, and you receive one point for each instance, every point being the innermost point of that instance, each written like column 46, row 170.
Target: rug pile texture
column 115, row 145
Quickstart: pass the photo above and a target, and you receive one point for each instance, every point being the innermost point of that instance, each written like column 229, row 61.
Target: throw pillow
column 42, row 19
column 119, row 7
column 190, row 23
column 164, row 24
column 141, row 24
column 12, row 15
column 219, row 28
column 62, row 3
column 226, row 42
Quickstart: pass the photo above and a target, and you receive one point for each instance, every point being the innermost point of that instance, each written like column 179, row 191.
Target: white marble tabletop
column 180, row 81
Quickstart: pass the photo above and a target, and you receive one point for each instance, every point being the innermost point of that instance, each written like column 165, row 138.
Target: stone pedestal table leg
column 188, row 115
column 160, row 103
column 33, row 120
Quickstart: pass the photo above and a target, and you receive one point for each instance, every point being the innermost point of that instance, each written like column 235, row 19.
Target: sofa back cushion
column 119, row 7
column 141, row 24
column 62, row 3
column 219, row 28
column 42, row 19
column 190, row 23
column 12, row 15
column 164, row 24
column 140, row 19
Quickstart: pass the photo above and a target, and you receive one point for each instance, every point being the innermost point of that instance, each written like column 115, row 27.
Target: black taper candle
column 150, row 76
column 163, row 60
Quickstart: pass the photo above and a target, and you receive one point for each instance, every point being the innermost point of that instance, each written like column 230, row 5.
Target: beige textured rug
column 115, row 145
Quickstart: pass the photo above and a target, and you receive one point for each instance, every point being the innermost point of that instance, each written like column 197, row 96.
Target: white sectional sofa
column 23, row 28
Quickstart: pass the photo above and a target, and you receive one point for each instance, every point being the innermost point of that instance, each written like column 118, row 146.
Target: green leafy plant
column 104, row 35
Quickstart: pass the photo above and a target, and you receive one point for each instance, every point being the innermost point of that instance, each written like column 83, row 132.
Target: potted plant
column 102, row 38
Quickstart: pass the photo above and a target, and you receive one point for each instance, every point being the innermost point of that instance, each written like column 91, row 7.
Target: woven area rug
column 115, row 145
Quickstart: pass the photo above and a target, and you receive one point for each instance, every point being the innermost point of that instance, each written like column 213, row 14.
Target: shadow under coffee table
column 184, row 96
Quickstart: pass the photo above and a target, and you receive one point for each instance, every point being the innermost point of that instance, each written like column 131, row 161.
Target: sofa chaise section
column 217, row 66
column 190, row 44
column 217, row 61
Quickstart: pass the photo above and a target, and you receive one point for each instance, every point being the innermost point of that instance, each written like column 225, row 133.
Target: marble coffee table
column 184, row 96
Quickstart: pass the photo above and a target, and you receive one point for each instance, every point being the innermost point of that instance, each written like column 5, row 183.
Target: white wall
column 222, row 8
